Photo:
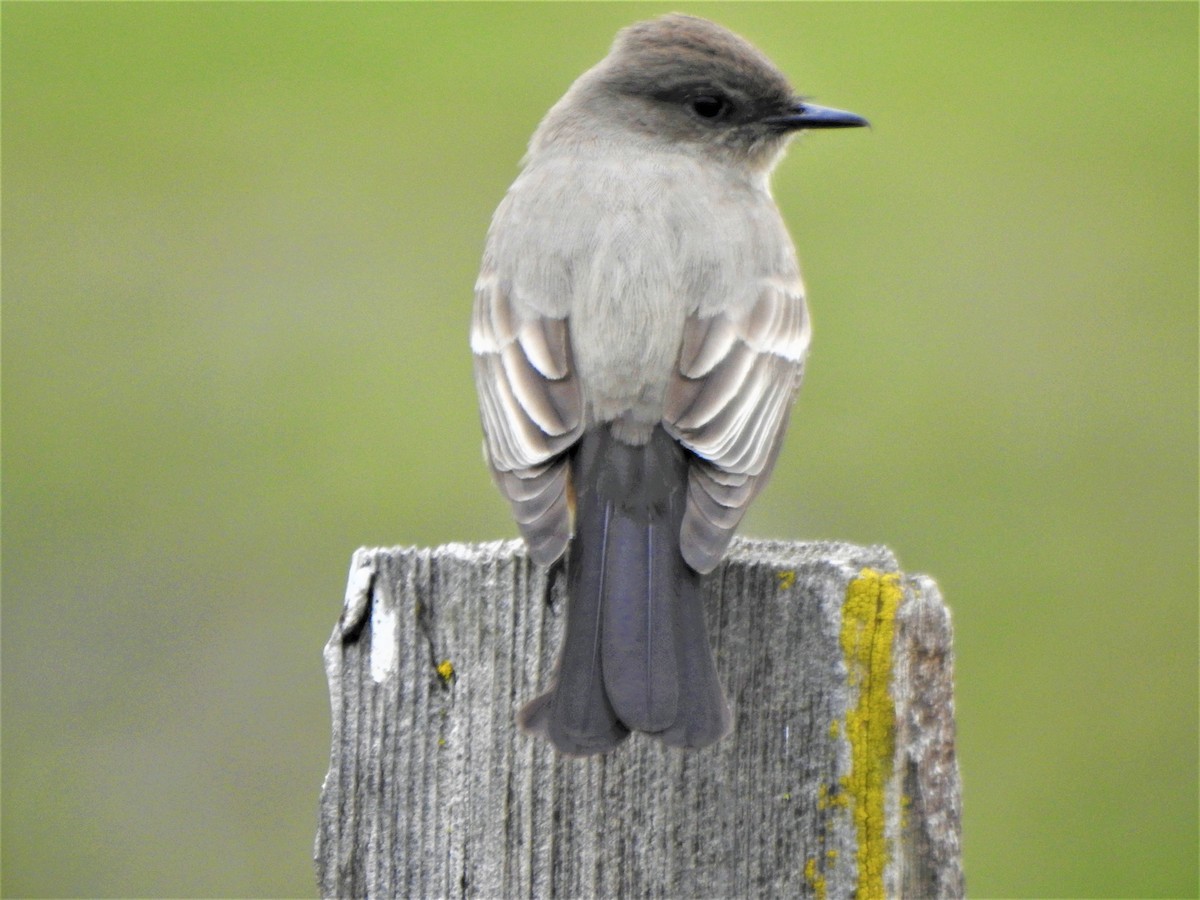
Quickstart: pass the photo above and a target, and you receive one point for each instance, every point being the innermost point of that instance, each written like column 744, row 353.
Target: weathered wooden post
column 838, row 780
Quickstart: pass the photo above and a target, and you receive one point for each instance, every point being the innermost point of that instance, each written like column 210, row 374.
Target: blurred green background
column 239, row 243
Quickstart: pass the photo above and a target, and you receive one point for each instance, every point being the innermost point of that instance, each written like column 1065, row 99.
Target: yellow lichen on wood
column 868, row 626
column 827, row 799
column 815, row 879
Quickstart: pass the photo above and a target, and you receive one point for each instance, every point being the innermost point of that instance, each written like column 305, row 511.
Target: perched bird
column 639, row 334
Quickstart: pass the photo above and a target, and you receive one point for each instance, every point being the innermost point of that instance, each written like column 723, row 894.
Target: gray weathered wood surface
column 839, row 778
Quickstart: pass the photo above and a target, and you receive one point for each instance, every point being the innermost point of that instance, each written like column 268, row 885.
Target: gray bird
column 639, row 334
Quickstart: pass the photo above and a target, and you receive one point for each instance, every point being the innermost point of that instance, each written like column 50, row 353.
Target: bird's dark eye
column 709, row 106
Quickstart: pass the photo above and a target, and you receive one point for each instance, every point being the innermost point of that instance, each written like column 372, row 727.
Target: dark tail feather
column 636, row 654
column 703, row 714
column 576, row 714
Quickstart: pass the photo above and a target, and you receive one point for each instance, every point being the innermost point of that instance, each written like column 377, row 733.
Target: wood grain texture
column 433, row 791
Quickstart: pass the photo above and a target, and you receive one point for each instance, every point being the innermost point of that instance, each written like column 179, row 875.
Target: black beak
column 808, row 115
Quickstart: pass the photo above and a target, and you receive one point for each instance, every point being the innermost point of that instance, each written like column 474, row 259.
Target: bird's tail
column 636, row 655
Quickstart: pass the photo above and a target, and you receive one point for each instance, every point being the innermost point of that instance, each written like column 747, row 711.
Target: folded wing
column 729, row 404
column 531, row 406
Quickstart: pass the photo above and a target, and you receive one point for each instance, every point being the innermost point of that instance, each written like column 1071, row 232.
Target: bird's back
column 580, row 237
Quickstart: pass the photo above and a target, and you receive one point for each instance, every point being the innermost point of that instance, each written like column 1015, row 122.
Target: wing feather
column 531, row 409
column 717, row 388
column 531, row 392
column 706, row 342
column 546, row 344
column 729, row 404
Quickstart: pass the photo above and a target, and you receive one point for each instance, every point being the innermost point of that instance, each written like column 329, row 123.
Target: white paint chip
column 383, row 642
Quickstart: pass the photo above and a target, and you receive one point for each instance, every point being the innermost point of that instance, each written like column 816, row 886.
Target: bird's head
column 687, row 84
